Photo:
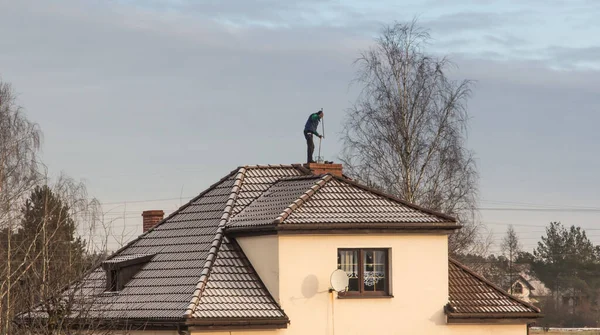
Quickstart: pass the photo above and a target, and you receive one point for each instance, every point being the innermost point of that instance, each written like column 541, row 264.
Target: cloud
column 505, row 40
column 474, row 21
column 573, row 57
column 141, row 98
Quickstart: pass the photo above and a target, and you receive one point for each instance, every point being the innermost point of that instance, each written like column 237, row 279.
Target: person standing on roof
column 310, row 128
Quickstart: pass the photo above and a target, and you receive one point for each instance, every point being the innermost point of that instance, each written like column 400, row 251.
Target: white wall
column 487, row 329
column 449, row 330
column 419, row 276
column 419, row 282
column 263, row 253
column 146, row 332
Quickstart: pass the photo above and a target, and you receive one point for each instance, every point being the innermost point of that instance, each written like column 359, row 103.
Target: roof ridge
column 395, row 199
column 300, row 177
column 489, row 283
column 302, row 199
column 216, row 243
column 298, row 166
column 267, row 166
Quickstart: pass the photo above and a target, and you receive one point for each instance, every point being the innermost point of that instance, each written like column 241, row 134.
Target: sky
column 151, row 101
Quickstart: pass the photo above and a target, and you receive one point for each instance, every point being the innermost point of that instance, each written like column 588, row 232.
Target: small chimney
column 151, row 218
column 323, row 168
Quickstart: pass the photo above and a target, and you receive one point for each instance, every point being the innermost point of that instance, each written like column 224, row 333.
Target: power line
column 526, row 206
column 147, row 200
column 524, row 209
column 538, row 204
column 513, row 224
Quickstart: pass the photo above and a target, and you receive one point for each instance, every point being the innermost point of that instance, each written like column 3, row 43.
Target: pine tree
column 567, row 261
column 48, row 240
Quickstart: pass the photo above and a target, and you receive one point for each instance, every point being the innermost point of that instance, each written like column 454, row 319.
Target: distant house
column 529, row 289
column 253, row 254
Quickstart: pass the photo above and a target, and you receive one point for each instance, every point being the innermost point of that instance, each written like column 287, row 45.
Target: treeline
column 565, row 261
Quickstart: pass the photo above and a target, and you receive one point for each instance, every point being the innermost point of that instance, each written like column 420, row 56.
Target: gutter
column 341, row 228
column 236, row 323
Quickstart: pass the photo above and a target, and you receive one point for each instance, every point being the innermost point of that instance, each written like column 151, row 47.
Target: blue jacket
column 312, row 123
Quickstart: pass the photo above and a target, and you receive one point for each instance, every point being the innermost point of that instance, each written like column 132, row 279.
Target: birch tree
column 406, row 132
column 20, row 141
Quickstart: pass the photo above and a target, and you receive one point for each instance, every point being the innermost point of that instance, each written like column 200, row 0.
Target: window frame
column 518, row 291
column 361, row 293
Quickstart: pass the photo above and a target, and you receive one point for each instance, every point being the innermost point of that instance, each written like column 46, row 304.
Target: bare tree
column 44, row 244
column 19, row 144
column 406, row 132
column 510, row 248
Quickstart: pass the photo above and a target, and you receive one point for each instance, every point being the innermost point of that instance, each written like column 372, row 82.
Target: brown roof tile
column 189, row 246
column 471, row 295
column 330, row 201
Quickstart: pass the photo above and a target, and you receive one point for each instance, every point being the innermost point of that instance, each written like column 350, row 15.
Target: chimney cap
column 324, row 168
column 153, row 212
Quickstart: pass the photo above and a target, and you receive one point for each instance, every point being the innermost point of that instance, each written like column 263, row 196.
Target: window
column 113, row 281
column 367, row 269
column 518, row 288
column 120, row 269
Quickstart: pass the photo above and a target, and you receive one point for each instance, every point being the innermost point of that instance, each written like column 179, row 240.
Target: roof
column 193, row 273
column 329, row 202
column 196, row 272
column 537, row 285
column 474, row 297
column 522, row 279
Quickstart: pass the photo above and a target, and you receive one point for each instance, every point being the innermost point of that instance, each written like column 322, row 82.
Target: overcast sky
column 158, row 99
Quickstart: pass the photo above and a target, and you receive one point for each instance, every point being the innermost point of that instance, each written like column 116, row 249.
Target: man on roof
column 310, row 129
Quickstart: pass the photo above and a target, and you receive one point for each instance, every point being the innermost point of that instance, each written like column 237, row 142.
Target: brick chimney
column 151, row 218
column 323, row 168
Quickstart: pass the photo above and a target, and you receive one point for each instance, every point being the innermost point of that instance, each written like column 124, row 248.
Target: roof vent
column 120, row 269
column 323, row 168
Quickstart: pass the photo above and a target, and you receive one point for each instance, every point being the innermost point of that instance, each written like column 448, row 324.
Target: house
column 253, row 254
column 529, row 289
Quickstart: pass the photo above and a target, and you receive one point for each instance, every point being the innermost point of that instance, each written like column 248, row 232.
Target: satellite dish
column 339, row 280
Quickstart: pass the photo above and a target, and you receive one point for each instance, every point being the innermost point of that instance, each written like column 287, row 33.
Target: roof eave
column 236, row 323
column 117, row 324
column 336, row 228
column 492, row 318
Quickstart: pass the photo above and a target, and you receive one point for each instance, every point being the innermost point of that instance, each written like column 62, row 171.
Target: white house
column 253, row 254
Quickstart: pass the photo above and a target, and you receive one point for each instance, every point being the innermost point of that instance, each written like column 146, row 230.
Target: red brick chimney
column 323, row 168
column 151, row 218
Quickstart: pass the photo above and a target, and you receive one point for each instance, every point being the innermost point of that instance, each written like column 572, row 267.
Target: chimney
column 323, row 168
column 151, row 218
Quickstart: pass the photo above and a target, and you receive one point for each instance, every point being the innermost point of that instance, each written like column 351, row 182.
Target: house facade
column 529, row 289
column 254, row 253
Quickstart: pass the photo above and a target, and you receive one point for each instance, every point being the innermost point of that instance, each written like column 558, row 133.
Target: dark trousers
column 310, row 146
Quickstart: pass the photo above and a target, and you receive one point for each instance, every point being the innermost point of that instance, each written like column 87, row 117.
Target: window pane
column 374, row 270
column 348, row 261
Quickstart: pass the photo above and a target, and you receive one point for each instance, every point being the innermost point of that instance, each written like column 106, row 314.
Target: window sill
column 365, row 296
